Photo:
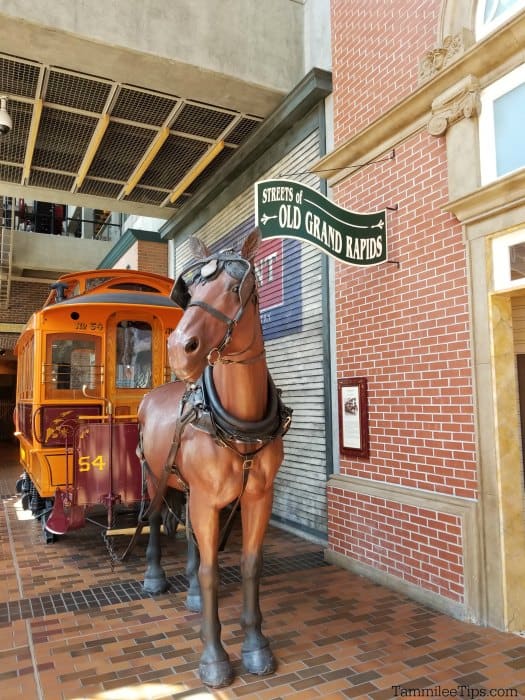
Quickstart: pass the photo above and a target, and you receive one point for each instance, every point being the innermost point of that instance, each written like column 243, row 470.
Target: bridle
column 210, row 268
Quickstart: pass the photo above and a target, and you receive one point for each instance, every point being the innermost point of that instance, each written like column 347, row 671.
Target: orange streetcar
column 85, row 360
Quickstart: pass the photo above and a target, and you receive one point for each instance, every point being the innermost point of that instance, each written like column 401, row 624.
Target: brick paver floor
column 74, row 627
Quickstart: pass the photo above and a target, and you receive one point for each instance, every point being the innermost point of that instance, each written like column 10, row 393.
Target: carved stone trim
column 462, row 101
column 437, row 59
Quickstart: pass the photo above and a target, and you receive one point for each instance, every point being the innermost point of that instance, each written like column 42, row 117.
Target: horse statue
column 217, row 436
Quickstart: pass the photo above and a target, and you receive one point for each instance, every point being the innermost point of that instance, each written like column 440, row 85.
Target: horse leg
column 215, row 669
column 155, row 578
column 257, row 656
column 193, row 595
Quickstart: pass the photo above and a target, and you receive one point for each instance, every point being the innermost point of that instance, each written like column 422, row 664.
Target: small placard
column 353, row 416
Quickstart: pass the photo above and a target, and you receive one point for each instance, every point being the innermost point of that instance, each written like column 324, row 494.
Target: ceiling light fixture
column 6, row 123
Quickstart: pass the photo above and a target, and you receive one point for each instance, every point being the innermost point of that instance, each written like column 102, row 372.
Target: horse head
column 218, row 292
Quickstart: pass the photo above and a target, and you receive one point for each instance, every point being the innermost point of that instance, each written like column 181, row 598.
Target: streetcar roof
column 120, row 297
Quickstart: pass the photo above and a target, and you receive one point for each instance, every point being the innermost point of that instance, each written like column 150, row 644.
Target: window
column 502, row 137
column 508, row 260
column 71, row 364
column 134, row 368
column 490, row 14
column 25, row 369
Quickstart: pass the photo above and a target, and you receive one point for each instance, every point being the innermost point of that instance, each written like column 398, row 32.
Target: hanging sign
column 288, row 209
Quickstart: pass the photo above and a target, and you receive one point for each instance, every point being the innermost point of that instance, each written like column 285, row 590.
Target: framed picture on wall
column 353, row 416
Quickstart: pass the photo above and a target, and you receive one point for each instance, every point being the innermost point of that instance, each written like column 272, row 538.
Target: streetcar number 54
column 85, row 463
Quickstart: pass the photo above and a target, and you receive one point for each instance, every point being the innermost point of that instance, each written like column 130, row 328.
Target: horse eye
column 235, row 288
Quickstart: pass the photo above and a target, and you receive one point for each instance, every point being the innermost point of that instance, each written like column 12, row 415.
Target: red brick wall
column 422, row 546
column 153, row 257
column 25, row 298
column 376, row 48
column 404, row 326
column 407, row 328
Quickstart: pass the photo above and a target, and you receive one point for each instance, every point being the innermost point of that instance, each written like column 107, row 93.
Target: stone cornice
column 412, row 113
column 493, row 199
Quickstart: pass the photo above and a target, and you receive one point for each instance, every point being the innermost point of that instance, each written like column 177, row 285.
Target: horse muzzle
column 186, row 355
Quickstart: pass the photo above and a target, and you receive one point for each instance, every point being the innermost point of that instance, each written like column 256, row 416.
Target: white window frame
column 482, row 28
column 501, row 260
column 487, row 135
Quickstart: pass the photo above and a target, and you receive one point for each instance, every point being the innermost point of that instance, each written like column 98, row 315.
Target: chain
column 114, row 559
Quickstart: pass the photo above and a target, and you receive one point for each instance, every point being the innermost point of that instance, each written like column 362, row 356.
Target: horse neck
column 242, row 385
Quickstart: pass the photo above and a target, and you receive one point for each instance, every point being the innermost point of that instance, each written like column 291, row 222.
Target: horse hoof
column 216, row 674
column 155, row 585
column 261, row 662
column 194, row 603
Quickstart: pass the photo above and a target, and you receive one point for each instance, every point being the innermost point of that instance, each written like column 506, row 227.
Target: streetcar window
column 72, row 364
column 134, row 360
column 134, row 287
column 25, row 369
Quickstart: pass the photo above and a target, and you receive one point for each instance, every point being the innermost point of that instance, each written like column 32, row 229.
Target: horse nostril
column 191, row 345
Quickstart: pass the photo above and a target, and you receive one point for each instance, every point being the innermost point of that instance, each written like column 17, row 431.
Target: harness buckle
column 214, row 359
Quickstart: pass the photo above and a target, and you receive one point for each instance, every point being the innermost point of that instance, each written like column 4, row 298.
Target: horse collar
column 214, row 420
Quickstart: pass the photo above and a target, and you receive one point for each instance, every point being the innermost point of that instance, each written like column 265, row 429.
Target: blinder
column 209, row 268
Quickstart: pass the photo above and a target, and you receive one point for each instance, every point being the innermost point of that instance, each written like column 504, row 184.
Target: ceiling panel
column 75, row 133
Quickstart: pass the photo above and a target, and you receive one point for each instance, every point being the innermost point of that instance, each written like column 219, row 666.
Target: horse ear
column 251, row 244
column 198, row 249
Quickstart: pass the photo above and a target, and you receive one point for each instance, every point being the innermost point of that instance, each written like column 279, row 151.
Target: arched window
column 490, row 14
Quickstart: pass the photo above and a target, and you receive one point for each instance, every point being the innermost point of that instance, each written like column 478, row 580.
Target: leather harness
column 200, row 407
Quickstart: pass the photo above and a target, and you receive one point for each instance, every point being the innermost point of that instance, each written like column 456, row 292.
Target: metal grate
column 175, row 158
column 126, row 590
column 58, row 181
column 179, row 203
column 10, row 173
column 101, row 188
column 242, row 130
column 71, row 103
column 122, row 146
column 80, row 92
column 202, row 121
column 142, row 107
column 18, row 77
column 62, row 139
column 215, row 165
column 12, row 146
column 148, row 195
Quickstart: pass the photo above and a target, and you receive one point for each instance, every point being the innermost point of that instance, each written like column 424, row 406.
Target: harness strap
column 226, row 529
column 213, row 311
column 183, row 418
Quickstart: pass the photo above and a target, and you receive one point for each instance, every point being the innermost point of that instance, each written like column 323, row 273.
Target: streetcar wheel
column 19, row 485
column 26, row 500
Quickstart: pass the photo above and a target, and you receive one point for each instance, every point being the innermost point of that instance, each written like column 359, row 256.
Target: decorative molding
column 493, row 201
column 412, row 113
column 437, row 59
column 461, row 101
